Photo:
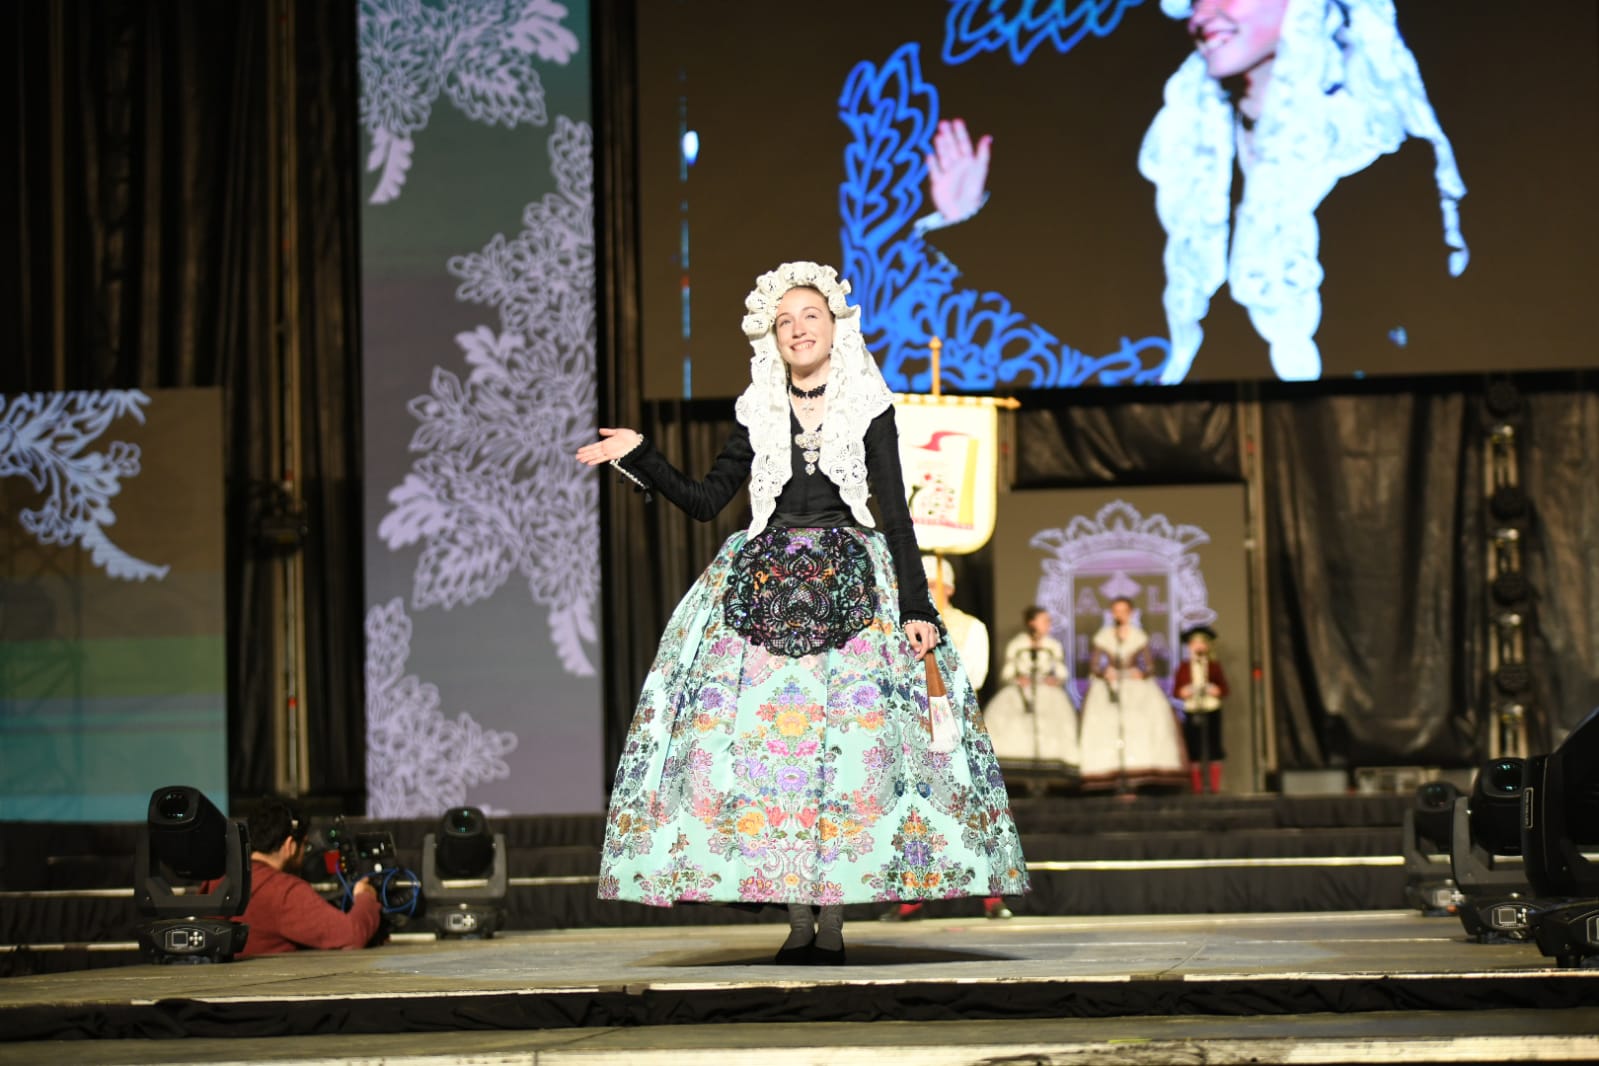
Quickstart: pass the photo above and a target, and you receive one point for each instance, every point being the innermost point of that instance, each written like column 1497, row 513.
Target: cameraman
column 284, row 912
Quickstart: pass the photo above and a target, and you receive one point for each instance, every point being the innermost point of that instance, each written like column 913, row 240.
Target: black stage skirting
column 928, row 1001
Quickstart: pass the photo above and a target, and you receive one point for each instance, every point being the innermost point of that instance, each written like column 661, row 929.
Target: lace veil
column 856, row 394
column 1344, row 90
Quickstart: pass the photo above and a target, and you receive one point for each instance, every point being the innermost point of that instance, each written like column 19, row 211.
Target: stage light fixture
column 1485, row 846
column 1560, row 828
column 1509, row 504
column 187, row 837
column 1428, row 828
column 1512, row 679
column 1502, row 398
column 1510, row 589
column 464, row 876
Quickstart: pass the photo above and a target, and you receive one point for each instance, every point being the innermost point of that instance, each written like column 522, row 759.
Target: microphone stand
column 1031, row 701
column 1121, row 720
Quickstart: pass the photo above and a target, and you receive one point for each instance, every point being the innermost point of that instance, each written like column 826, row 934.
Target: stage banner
column 113, row 666
column 482, row 570
column 948, row 453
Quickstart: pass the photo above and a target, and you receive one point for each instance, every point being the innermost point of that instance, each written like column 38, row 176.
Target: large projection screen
column 1396, row 191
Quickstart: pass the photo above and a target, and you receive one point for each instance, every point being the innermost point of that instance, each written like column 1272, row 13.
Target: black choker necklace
column 807, row 394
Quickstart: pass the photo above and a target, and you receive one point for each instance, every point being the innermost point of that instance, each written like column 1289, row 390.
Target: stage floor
column 1160, row 983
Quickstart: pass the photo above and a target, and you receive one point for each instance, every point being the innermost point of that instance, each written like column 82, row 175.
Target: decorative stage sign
column 479, row 300
column 1125, row 192
column 113, row 666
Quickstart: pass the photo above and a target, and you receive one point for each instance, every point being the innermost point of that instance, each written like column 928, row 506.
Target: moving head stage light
column 1560, row 828
column 1428, row 829
column 464, row 875
column 186, row 835
column 1486, row 839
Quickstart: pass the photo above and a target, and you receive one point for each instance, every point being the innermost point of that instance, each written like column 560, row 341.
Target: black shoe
column 827, row 956
column 800, row 956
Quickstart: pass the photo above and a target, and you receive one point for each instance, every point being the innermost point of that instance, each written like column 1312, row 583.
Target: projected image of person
column 781, row 750
column 1031, row 719
column 1130, row 734
column 1296, row 94
column 1292, row 94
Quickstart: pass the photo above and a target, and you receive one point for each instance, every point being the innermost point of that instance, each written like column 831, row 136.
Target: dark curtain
column 150, row 184
column 1121, row 437
column 1559, row 442
column 1376, row 586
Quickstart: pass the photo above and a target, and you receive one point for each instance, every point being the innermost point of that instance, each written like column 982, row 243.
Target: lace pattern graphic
column 418, row 761
column 478, row 53
column 45, row 438
column 493, row 491
column 908, row 291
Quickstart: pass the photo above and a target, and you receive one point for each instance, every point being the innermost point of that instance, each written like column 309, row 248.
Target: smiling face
column 803, row 327
column 1121, row 611
column 1236, row 36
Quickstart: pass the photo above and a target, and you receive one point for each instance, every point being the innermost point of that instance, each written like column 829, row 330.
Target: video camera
column 371, row 855
column 367, row 853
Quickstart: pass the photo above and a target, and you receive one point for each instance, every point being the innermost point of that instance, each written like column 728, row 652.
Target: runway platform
column 1376, row 986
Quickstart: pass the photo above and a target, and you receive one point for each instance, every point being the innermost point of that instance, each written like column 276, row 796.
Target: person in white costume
column 1130, row 733
column 966, row 632
column 1031, row 719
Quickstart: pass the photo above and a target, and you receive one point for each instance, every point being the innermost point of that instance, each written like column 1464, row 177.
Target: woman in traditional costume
column 1030, row 719
column 781, row 751
column 1130, row 734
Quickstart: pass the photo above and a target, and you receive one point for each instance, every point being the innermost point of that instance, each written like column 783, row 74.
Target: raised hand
column 613, row 444
column 956, row 172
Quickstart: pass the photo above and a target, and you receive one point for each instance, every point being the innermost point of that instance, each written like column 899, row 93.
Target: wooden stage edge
column 1333, row 987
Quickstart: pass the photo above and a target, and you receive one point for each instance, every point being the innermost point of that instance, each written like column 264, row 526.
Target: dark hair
column 1122, row 599
column 275, row 821
column 1030, row 612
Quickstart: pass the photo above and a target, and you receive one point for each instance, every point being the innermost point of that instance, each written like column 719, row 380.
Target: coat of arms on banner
column 947, row 452
column 1121, row 553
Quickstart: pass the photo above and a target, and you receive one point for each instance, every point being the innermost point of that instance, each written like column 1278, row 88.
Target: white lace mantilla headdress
column 856, row 394
column 1344, row 90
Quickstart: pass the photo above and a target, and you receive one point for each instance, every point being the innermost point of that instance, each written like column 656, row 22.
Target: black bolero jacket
column 807, row 499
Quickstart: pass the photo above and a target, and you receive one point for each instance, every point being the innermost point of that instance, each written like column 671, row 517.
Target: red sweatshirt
column 286, row 914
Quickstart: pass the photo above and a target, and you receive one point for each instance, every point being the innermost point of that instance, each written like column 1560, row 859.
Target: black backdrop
column 147, row 176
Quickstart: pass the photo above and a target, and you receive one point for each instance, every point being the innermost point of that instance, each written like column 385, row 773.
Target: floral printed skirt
column 749, row 776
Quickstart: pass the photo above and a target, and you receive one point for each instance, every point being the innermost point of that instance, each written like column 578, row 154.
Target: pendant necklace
column 809, row 440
